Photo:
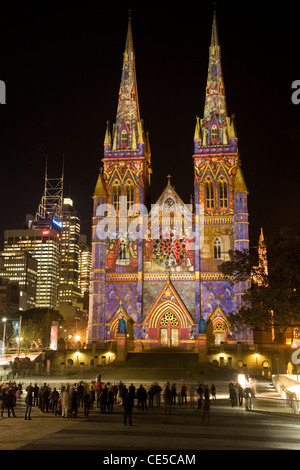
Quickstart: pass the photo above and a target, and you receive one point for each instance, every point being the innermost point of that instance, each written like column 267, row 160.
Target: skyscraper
column 44, row 246
column 163, row 277
column 20, row 267
column 69, row 263
column 42, row 241
column 85, row 263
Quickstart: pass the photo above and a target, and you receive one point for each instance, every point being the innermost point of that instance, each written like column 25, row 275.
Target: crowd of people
column 67, row 401
column 97, row 395
column 239, row 395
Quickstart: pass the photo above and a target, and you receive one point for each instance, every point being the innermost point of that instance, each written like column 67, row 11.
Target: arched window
column 129, row 193
column 116, row 195
column 223, row 195
column 122, row 250
column 209, row 187
column 214, row 133
column 217, row 248
column 123, row 138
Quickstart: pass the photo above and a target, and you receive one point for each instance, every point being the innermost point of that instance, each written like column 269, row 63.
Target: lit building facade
column 163, row 277
column 21, row 267
column 85, row 264
column 69, row 262
column 44, row 246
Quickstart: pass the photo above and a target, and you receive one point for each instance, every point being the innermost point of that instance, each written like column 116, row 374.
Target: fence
column 289, row 406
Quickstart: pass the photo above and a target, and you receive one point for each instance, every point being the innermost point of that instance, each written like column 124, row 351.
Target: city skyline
column 71, row 76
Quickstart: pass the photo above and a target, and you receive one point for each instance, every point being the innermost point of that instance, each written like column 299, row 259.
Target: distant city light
column 56, row 222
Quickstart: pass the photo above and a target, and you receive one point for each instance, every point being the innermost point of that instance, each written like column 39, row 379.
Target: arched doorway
column 219, row 332
column 169, row 330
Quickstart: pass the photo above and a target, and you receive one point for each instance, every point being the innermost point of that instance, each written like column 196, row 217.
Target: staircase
column 165, row 365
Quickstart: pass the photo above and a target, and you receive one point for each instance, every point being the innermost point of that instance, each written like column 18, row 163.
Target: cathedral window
column 169, row 319
column 116, row 195
column 209, row 187
column 123, row 138
column 217, row 248
column 223, row 195
column 214, row 133
column 122, row 250
column 129, row 193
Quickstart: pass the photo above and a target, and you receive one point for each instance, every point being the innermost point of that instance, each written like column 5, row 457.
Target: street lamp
column 4, row 331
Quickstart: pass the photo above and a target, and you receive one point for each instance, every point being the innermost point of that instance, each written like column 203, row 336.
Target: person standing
column 158, row 391
column 132, row 390
column 174, row 394
column 124, row 392
column 54, row 399
column 80, row 391
column 151, row 396
column 200, row 393
column 205, row 409
column 10, row 402
column 45, row 399
column 142, row 397
column 86, row 403
column 115, row 392
column 192, row 396
column 3, row 400
column 183, row 394
column 110, row 400
column 103, row 399
column 28, row 402
column 66, row 402
column 35, row 395
column 128, row 406
column 233, row 397
column 213, row 391
column 167, row 399
column 240, row 394
column 74, row 403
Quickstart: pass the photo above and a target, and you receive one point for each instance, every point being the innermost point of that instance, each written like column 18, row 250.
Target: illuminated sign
column 45, row 232
column 59, row 224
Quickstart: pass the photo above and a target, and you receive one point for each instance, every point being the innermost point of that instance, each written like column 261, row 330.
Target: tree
column 273, row 300
column 31, row 334
column 40, row 320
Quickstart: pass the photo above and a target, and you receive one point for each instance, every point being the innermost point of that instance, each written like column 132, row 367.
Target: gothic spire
column 127, row 129
column 215, row 100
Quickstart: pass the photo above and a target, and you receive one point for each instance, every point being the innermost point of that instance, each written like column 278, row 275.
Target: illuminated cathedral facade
column 156, row 266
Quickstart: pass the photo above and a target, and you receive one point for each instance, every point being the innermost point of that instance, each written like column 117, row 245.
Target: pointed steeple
column 239, row 182
column 215, row 100
column 107, row 138
column 128, row 130
column 100, row 190
column 216, row 129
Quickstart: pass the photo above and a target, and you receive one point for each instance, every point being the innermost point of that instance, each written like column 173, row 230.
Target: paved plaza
column 229, row 428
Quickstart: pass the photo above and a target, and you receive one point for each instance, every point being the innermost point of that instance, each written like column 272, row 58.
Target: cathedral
column 155, row 263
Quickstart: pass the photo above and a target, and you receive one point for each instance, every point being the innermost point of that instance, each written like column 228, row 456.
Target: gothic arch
column 165, row 308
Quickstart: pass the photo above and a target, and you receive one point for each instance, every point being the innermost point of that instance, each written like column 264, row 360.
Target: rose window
column 169, row 319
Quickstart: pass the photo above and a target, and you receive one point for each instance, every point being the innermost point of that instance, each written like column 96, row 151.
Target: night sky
column 62, row 69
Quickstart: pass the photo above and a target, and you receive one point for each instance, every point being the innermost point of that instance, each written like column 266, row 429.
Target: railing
column 289, row 406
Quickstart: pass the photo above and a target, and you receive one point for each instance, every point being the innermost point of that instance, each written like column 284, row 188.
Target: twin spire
column 128, row 138
column 128, row 135
column 215, row 100
column 216, row 128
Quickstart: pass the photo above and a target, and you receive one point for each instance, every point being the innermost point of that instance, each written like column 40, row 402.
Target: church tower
column 122, row 188
column 220, row 193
